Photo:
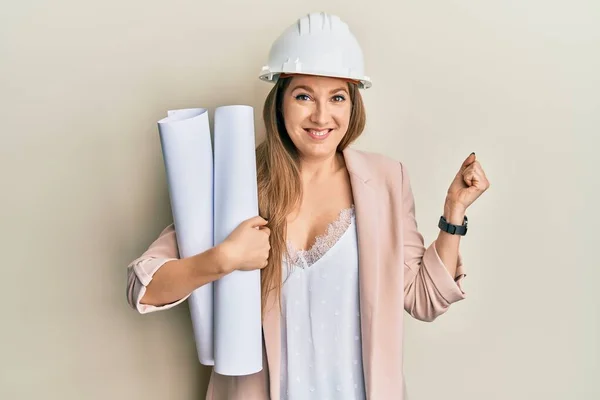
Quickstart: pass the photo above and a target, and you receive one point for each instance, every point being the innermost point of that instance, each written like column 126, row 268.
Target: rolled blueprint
column 187, row 153
column 238, row 328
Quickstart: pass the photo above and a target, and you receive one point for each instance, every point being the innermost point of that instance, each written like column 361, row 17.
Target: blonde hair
column 279, row 186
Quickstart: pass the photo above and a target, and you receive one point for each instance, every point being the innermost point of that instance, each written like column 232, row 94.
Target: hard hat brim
column 273, row 77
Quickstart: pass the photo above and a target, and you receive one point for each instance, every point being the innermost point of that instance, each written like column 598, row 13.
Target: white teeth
column 319, row 133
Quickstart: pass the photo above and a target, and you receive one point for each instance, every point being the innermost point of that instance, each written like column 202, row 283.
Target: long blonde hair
column 278, row 173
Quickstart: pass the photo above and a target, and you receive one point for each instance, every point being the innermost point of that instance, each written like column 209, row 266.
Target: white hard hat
column 317, row 44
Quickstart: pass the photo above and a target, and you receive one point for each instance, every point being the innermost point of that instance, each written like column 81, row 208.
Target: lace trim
column 322, row 243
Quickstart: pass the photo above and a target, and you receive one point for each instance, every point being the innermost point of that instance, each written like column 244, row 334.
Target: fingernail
column 472, row 153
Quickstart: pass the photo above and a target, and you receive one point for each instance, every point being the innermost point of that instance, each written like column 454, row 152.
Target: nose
column 321, row 115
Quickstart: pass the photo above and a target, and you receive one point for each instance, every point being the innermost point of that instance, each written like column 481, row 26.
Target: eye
column 302, row 97
column 339, row 98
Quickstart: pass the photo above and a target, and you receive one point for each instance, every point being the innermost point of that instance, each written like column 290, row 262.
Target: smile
column 318, row 134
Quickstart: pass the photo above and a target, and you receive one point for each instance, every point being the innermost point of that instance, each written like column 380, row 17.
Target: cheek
column 294, row 116
column 342, row 117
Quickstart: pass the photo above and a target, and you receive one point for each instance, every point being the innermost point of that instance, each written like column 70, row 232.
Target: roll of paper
column 238, row 327
column 188, row 158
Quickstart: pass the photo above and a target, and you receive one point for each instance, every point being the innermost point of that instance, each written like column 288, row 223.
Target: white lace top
column 321, row 340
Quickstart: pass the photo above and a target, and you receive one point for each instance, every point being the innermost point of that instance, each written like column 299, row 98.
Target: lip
column 318, row 137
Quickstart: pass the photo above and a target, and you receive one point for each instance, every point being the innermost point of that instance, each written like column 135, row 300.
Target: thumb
column 458, row 178
column 257, row 221
column 468, row 161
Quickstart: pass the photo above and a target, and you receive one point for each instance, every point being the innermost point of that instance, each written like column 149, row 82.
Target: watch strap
column 452, row 229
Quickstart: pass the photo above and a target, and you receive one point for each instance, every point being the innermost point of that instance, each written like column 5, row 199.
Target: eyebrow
column 308, row 89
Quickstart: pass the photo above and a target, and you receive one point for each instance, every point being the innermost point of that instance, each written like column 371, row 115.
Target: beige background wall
column 82, row 85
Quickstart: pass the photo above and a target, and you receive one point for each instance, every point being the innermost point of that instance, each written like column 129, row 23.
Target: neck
column 315, row 169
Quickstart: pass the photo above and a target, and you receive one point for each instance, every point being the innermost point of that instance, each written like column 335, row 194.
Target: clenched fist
column 247, row 247
column 469, row 183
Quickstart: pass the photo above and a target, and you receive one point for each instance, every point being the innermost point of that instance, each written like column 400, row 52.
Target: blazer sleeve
column 429, row 289
column 141, row 270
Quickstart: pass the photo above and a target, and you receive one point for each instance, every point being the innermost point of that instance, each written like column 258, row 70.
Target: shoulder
column 376, row 166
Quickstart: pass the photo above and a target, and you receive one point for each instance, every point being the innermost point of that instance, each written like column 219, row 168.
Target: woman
column 339, row 248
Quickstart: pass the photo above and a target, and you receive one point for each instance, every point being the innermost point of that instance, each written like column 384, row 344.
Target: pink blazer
column 396, row 273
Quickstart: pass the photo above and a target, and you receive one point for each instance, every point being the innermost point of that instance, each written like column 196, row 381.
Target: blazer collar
column 357, row 164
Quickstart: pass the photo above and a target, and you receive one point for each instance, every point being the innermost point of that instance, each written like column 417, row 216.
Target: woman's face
column 316, row 111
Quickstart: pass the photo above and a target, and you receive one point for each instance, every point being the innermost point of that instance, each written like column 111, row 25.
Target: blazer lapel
column 365, row 204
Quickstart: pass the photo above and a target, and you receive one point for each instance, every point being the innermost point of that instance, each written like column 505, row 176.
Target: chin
column 317, row 150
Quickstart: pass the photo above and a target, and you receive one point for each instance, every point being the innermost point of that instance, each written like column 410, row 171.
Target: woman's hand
column 247, row 247
column 469, row 183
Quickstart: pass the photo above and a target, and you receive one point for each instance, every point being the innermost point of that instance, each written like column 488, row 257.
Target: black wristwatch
column 453, row 229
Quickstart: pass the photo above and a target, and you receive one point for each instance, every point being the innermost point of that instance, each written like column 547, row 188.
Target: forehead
column 318, row 83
